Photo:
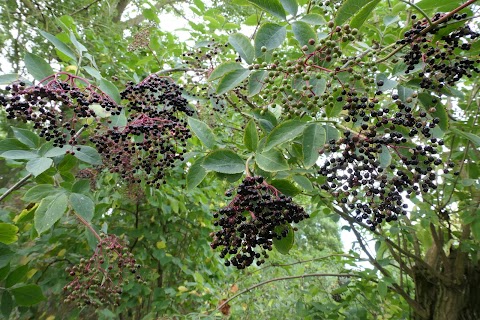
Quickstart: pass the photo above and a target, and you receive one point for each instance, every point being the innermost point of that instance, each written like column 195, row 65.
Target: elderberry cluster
column 154, row 136
column 250, row 222
column 58, row 107
column 444, row 60
column 99, row 280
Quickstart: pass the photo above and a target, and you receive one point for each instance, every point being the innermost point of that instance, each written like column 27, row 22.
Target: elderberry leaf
column 270, row 36
column 38, row 165
column 203, row 132
column 223, row 69
column 290, row 6
column 303, row 32
column 6, row 304
column 28, row 295
column 314, row 19
column 385, row 158
column 5, row 255
column 286, row 243
column 4, row 272
column 50, row 210
column 440, row 112
column 286, row 187
column 59, row 45
column 231, row 80
column 8, row 78
column 37, row 67
column 8, row 233
column 284, row 132
column 224, row 161
column 361, row 16
column 250, row 136
column 470, row 136
column 82, row 205
column 274, row 7
column 19, row 155
column 12, row 144
column 271, row 161
column 38, row 192
column 88, row 154
column 348, row 9
column 26, row 136
column 255, row 82
column 111, row 90
column 242, row 45
column 313, row 140
column 195, row 175
column 16, row 276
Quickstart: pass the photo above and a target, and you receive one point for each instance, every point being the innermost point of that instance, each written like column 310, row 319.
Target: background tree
column 360, row 110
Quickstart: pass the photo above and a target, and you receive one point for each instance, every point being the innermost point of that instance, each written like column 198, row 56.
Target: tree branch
column 17, row 185
column 85, row 7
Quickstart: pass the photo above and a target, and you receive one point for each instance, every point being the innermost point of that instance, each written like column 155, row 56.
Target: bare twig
column 16, row 186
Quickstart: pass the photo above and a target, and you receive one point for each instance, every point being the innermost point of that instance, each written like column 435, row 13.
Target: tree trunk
column 454, row 297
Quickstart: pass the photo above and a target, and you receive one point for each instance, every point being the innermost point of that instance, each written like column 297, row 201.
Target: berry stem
column 89, row 226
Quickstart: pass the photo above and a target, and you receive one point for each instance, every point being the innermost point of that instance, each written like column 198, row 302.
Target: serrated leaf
column 286, row 243
column 286, row 187
column 38, row 165
column 8, row 233
column 250, row 136
column 111, row 90
column 243, row 46
column 88, row 154
column 385, row 158
column 27, row 137
column 348, row 9
column 82, row 205
column 50, row 210
column 195, row 175
column 284, row 132
column 203, row 132
column 313, row 140
column 271, row 6
column 38, row 192
column 224, row 161
column 270, row 36
column 19, row 155
column 37, row 67
column 303, row 32
column 28, row 295
column 59, row 45
column 361, row 16
column 231, row 80
column 271, row 161
column 255, row 82
column 291, row 6
column 224, row 68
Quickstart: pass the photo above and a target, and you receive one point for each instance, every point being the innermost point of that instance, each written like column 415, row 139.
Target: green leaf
column 250, row 136
column 223, row 69
column 203, row 132
column 270, row 36
column 5, row 255
column 291, row 6
column 284, row 132
column 359, row 19
column 37, row 67
column 382, row 288
column 81, row 186
column 387, row 83
column 470, row 136
column 286, row 243
column 303, row 182
column 12, row 144
column 88, row 154
column 271, row 6
column 16, row 276
column 6, row 304
column 271, row 161
column 93, row 72
column 243, row 46
column 224, row 161
column 8, row 233
column 59, row 45
column 286, row 187
column 303, row 33
column 57, row 151
column 38, row 192
column 385, row 158
column 80, row 47
column 438, row 6
column 231, row 80
column 255, row 82
column 348, row 9
column 440, row 112
column 38, row 165
column 19, row 155
column 195, row 175
column 313, row 19
column 27, row 137
column 314, row 138
column 331, row 133
column 8, row 78
column 50, row 210
column 82, row 205
column 28, row 295
column 4, row 272
column 111, row 90
column 67, row 164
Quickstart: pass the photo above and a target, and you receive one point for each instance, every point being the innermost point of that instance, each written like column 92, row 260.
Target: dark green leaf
column 8, row 233
column 271, row 6
column 37, row 67
column 4, row 271
column 62, row 47
column 203, row 132
column 250, row 136
column 81, row 186
column 26, row 136
column 195, row 175
column 387, row 83
column 12, row 144
column 82, row 205
column 270, row 36
column 119, row 120
column 440, row 112
column 314, row 19
column 38, row 165
column 28, row 295
column 382, row 288
column 271, row 161
column 286, row 243
column 68, row 162
column 361, row 16
column 243, row 46
column 38, row 192
column 7, row 304
column 303, row 182
column 348, row 9
column 93, row 72
column 19, row 155
column 5, row 255
column 385, row 158
column 284, row 132
column 286, row 187
column 331, row 133
column 56, row 151
column 224, row 68
column 50, row 210
column 110, row 90
column 16, row 276
column 303, row 33
column 224, row 161
column 255, row 82
column 88, row 154
column 314, row 138
column 231, row 80
column 470, row 136
column 290, row 6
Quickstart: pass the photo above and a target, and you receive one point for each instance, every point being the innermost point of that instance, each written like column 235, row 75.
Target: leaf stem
column 89, row 226
column 419, row 10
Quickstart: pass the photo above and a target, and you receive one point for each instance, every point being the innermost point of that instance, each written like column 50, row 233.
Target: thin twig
column 16, row 186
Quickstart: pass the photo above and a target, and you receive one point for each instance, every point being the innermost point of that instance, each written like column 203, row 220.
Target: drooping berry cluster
column 250, row 220
column 58, row 107
column 99, row 280
column 444, row 60
column 154, row 136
